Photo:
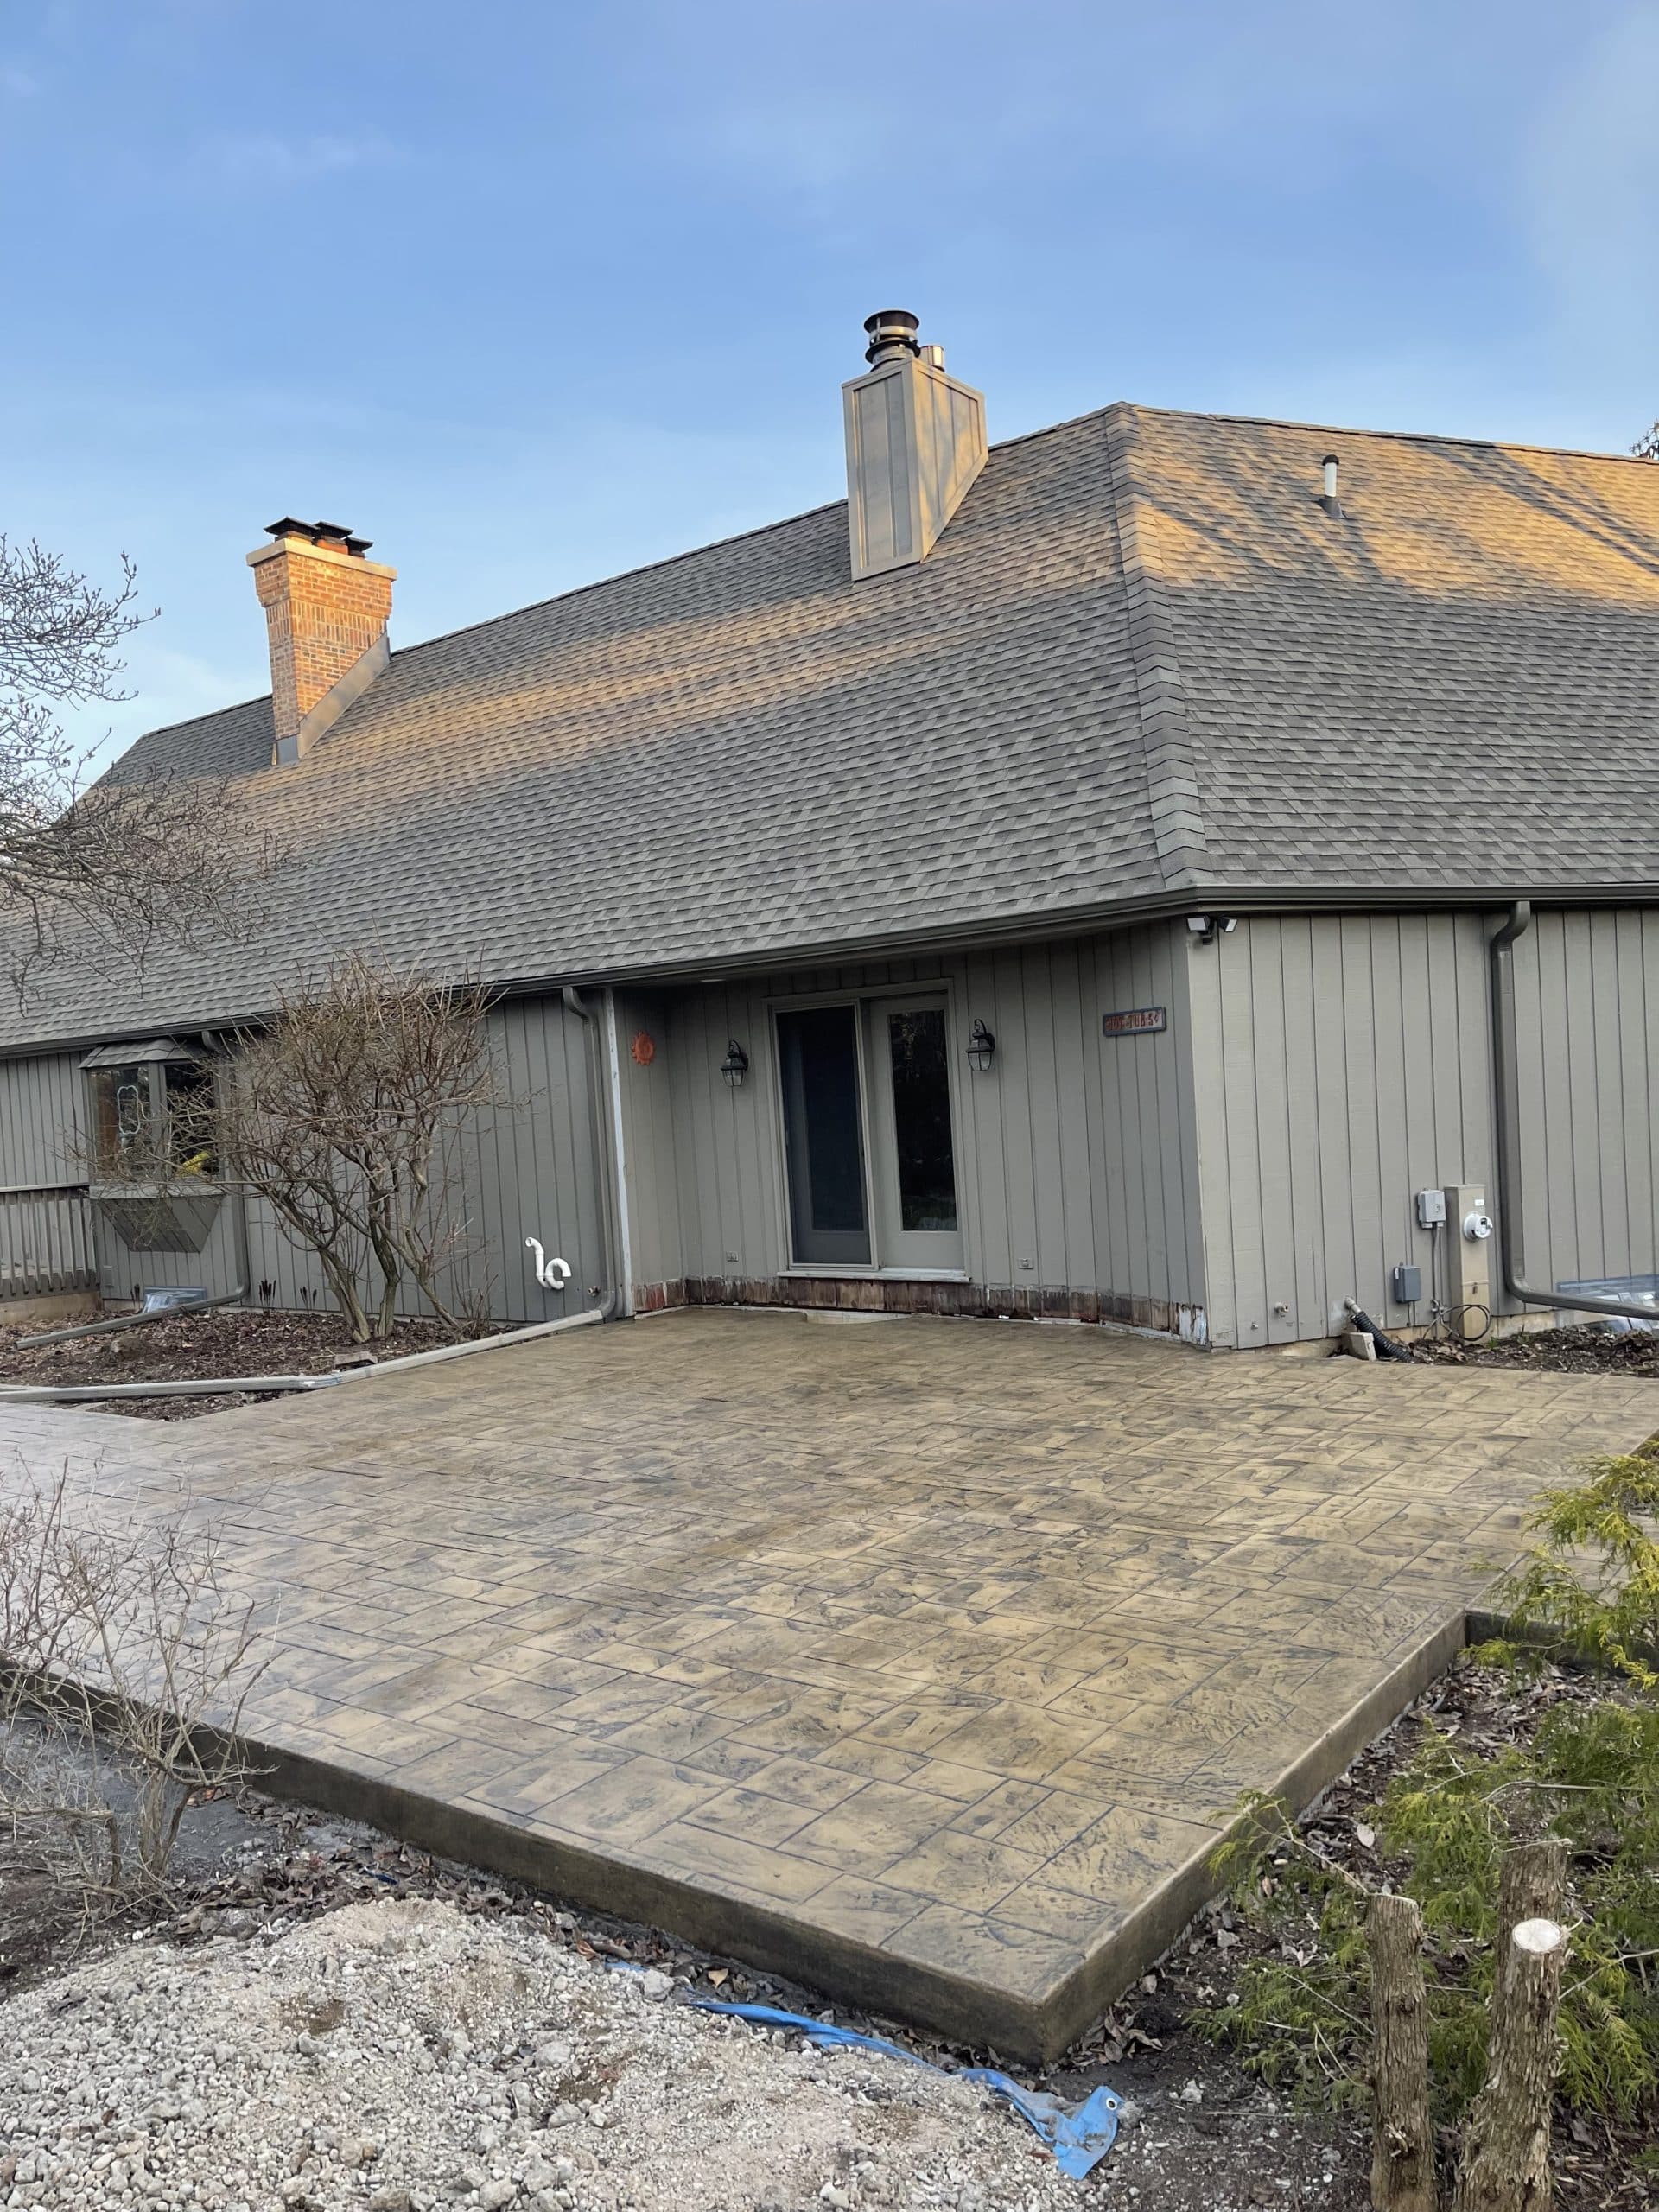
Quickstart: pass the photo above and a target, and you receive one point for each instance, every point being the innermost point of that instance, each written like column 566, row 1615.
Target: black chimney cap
column 892, row 330
column 337, row 533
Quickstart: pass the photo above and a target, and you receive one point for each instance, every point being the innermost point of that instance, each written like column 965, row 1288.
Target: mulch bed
column 230, row 1340
column 1592, row 1350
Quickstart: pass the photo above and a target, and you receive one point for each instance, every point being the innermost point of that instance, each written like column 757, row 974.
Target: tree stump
column 1403, row 2143
column 1531, row 1886
column 1506, row 2145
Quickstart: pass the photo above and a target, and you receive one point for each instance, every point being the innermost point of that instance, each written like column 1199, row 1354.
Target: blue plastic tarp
column 1079, row 2138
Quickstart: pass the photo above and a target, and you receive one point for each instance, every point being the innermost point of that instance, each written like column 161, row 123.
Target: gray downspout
column 1506, row 1085
column 611, row 1306
column 214, row 1041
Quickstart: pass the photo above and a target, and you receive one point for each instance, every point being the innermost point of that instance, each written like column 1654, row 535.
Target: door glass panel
column 818, row 1050
column 921, row 1117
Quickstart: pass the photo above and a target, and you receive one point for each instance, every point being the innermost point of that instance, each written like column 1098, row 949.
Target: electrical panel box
column 1408, row 1283
column 1469, row 1252
column 1431, row 1209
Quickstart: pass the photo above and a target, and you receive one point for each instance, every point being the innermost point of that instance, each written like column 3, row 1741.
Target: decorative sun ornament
column 644, row 1048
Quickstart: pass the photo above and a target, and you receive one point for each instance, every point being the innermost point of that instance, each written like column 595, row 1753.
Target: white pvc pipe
column 208, row 1386
column 462, row 1351
column 624, row 1277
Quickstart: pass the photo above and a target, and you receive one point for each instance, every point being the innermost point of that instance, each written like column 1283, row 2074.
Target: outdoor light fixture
column 1203, row 926
column 735, row 1066
column 981, row 1046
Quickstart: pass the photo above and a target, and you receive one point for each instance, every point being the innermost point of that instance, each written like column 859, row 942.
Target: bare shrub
column 128, row 1659
column 347, row 1112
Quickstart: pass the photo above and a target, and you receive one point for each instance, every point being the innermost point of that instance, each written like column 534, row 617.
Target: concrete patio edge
column 965, row 2010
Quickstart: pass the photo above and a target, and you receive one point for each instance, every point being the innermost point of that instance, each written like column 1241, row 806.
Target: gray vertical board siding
column 524, row 1167
column 1636, row 1055
column 1341, row 1064
column 1273, row 993
column 527, row 1168
column 1077, row 1151
column 41, row 1120
column 1328, row 1213
column 657, row 1255
column 1303, row 1190
column 1547, row 1088
column 1363, row 1107
column 1130, row 1204
column 1392, row 1018
column 47, row 1237
column 1178, row 1091
column 123, row 1268
column 531, row 1167
column 1233, row 956
column 722, row 1140
column 1587, row 987
column 1015, row 1078
column 1214, row 1140
column 1074, row 1185
column 988, row 1244
column 291, row 1268
column 46, row 1242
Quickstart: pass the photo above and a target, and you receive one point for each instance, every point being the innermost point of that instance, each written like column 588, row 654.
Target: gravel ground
column 402, row 2054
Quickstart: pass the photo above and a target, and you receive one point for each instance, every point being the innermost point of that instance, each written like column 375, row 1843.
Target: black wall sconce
column 981, row 1046
column 735, row 1066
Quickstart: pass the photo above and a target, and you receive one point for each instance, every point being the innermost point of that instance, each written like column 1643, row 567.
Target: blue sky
column 531, row 293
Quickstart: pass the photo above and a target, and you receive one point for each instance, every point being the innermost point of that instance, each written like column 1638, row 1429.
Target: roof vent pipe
column 1328, row 498
column 892, row 333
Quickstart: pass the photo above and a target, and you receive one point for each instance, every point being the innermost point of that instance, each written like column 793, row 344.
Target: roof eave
column 1035, row 925
column 1025, row 928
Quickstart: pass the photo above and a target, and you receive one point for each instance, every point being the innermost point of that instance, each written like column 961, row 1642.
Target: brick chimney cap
column 336, row 533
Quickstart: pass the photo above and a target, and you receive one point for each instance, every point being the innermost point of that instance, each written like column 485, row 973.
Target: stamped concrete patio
column 922, row 1660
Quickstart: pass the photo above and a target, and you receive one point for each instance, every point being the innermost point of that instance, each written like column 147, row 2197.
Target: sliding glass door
column 824, row 1136
column 869, row 1149
column 917, row 1223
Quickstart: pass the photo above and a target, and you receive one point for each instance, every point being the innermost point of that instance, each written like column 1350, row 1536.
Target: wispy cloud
column 17, row 83
column 267, row 157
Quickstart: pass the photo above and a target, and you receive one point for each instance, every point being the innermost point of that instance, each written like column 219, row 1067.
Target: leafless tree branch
column 113, row 865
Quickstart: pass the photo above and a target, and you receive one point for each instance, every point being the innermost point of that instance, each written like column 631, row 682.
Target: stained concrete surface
column 924, row 1663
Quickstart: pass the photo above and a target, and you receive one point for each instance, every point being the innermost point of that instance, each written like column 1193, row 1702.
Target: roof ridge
column 1172, row 792
column 1395, row 437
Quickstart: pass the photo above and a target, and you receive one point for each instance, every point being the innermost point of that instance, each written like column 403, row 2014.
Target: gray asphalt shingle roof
column 1141, row 663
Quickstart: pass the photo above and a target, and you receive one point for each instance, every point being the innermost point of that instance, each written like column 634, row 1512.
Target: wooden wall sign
column 1135, row 1021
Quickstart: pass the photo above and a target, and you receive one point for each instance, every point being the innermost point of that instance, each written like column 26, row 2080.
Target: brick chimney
column 326, row 610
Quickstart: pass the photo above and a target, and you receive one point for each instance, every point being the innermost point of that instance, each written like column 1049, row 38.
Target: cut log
column 1506, row 2145
column 1531, row 1886
column 1403, row 2143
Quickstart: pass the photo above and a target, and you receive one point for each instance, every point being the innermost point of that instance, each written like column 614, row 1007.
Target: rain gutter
column 615, row 1305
